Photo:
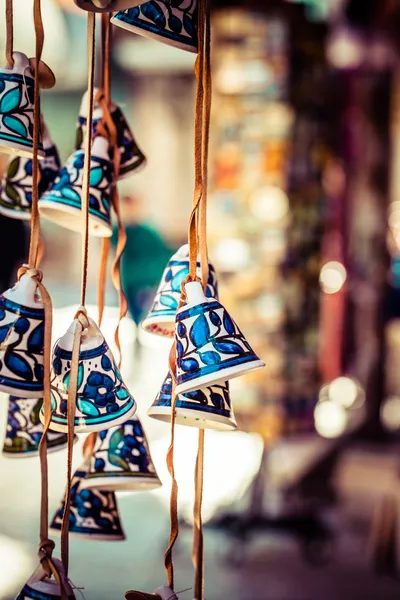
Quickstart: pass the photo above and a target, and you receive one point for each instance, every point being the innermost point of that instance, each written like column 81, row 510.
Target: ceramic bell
column 131, row 157
column 93, row 513
column 174, row 23
column 161, row 316
column 16, row 186
column 161, row 593
column 16, row 107
column 208, row 408
column 40, row 587
column 121, row 460
column 102, row 398
column 210, row 348
column 100, row 6
column 63, row 203
column 21, row 340
column 24, row 430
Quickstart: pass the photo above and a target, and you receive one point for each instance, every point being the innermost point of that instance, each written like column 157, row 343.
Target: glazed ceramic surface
column 63, row 203
column 105, row 5
column 102, row 399
column 208, row 408
column 16, row 107
column 161, row 317
column 21, row 340
column 24, row 429
column 40, row 587
column 210, row 348
column 171, row 21
column 131, row 157
column 93, row 513
column 121, row 460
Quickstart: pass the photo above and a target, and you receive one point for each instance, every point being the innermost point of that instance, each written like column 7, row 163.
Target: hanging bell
column 102, row 398
column 161, row 316
column 100, row 6
column 174, row 23
column 40, row 587
column 22, row 340
column 16, row 186
column 131, row 157
column 24, row 430
column 63, row 203
column 121, row 460
column 210, row 348
column 93, row 513
column 16, row 108
column 208, row 408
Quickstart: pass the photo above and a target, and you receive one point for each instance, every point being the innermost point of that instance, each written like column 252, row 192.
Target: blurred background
column 304, row 232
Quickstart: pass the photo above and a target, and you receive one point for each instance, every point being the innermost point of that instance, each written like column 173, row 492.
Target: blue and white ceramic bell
column 16, row 186
column 62, row 204
column 121, row 460
column 24, row 430
column 93, row 513
column 210, row 348
column 208, row 408
column 131, row 157
column 22, row 340
column 100, row 6
column 102, row 398
column 161, row 317
column 174, row 23
column 16, row 107
column 40, row 587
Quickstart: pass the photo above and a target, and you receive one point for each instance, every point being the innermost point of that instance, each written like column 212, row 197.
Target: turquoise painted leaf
column 116, row 438
column 69, row 193
column 200, row 331
column 80, row 375
column 122, row 393
column 178, row 278
column 66, row 379
column 228, row 347
column 210, row 358
column 189, row 365
column 18, row 365
column 169, row 301
column 117, row 461
column 15, row 125
column 87, row 408
column 11, row 100
column 96, row 175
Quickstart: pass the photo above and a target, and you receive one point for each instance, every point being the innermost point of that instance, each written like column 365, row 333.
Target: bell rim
column 153, row 35
column 117, row 484
column 13, row 213
column 60, row 427
column 22, row 394
column 59, row 206
column 152, row 320
column 91, row 537
column 216, row 377
column 26, row 151
column 163, row 413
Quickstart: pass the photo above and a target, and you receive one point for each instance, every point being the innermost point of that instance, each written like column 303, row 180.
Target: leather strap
column 9, row 33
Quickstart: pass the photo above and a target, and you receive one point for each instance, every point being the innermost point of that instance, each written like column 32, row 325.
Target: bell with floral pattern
column 174, row 23
column 24, row 430
column 16, row 186
column 100, row 6
column 161, row 316
column 208, row 408
column 121, row 460
column 93, row 513
column 102, row 399
column 210, row 348
column 41, row 587
column 131, row 157
column 62, row 204
column 16, row 107
column 22, row 340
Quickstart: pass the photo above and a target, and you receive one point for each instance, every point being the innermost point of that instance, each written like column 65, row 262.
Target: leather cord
column 9, row 33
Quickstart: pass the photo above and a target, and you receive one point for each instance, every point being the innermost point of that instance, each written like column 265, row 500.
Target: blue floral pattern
column 102, row 397
column 16, row 111
column 93, row 513
column 131, row 157
column 21, row 348
column 24, row 429
column 67, row 188
column 161, row 316
column 29, row 593
column 209, row 347
column 172, row 21
column 122, row 454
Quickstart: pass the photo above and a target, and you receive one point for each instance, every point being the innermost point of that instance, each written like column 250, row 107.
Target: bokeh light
column 390, row 413
column 270, row 204
column 332, row 277
column 343, row 391
column 330, row 419
column 232, row 254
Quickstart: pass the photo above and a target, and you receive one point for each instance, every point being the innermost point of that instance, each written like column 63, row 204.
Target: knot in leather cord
column 188, row 279
column 82, row 316
column 32, row 272
column 45, row 552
